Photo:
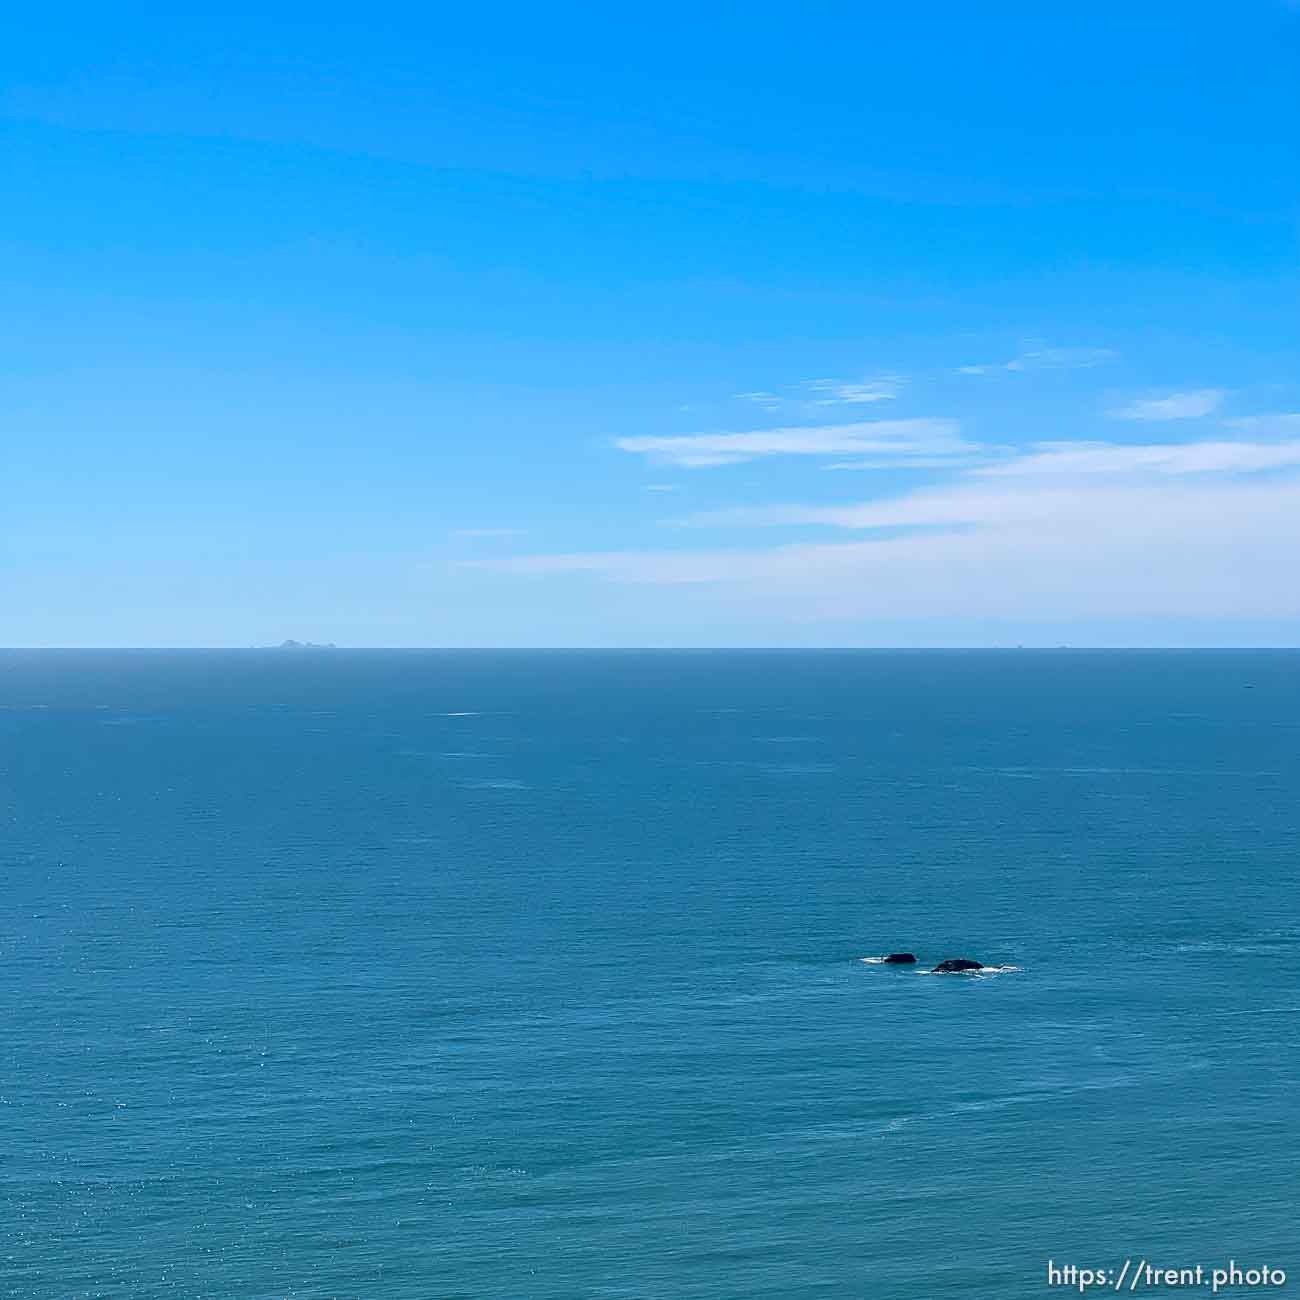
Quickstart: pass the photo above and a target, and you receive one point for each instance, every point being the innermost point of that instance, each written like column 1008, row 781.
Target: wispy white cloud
column 879, row 438
column 768, row 401
column 1056, row 467
column 1279, row 425
column 1064, row 531
column 1177, row 406
column 1045, row 359
column 1073, row 458
column 1062, row 359
column 1095, row 549
column 834, row 392
column 975, row 456
column 661, row 487
column 812, row 393
column 472, row 533
column 934, row 507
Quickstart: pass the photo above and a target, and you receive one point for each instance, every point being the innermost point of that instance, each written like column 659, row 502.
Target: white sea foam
column 984, row 970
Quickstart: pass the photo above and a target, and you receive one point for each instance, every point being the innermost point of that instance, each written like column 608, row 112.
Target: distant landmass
column 305, row 645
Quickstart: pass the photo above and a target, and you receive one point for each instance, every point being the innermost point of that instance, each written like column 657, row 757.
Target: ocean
column 538, row 975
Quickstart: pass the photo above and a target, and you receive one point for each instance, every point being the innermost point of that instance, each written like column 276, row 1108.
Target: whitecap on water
column 984, row 970
column 976, row 974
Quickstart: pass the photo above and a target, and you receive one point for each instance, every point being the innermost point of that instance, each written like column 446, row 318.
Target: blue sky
column 724, row 325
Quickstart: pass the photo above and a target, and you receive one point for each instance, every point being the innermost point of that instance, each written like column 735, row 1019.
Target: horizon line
column 325, row 649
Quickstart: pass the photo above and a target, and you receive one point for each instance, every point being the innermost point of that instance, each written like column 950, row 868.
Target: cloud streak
column 1279, row 425
column 892, row 439
column 768, row 401
column 1045, row 359
column 813, row 393
column 1163, row 549
column 832, row 392
column 1050, row 469
column 1203, row 529
column 1177, row 406
column 1073, row 458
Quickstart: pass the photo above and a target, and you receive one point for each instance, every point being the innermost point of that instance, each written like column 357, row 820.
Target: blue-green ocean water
column 536, row 975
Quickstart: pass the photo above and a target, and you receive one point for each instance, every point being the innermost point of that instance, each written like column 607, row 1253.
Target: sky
column 763, row 325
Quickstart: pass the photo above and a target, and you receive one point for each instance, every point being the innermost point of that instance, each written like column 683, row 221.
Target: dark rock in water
column 955, row 964
column 900, row 959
